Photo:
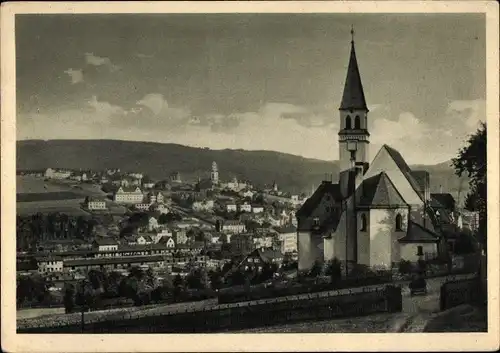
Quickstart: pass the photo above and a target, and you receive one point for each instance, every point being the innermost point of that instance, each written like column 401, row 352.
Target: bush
column 405, row 267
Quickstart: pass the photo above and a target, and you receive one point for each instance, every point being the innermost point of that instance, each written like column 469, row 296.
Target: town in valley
column 107, row 250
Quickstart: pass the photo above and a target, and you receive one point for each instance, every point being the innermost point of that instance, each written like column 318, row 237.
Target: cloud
column 470, row 112
column 155, row 102
column 94, row 60
column 422, row 143
column 75, row 75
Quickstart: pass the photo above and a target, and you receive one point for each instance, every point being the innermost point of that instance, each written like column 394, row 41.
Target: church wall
column 409, row 250
column 364, row 239
column 384, row 246
column 310, row 248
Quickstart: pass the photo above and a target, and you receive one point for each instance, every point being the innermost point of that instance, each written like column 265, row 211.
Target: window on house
column 399, row 223
column 357, row 122
column 316, row 221
column 348, row 122
column 363, row 222
column 420, row 251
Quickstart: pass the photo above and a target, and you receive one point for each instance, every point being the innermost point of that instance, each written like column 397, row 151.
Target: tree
column 334, row 270
column 69, row 298
column 471, row 160
column 316, row 269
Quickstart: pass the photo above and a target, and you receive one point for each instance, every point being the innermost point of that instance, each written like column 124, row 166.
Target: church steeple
column 353, row 134
column 354, row 96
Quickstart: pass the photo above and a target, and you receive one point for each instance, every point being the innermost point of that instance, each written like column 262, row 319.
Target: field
column 37, row 195
column 70, row 207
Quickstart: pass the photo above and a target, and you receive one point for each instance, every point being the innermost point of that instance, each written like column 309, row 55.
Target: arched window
column 399, row 222
column 357, row 122
column 363, row 223
column 348, row 122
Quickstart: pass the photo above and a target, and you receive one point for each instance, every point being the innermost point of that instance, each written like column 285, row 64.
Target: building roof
column 422, row 178
column 416, row 233
column 106, row 241
column 323, row 189
column 354, row 96
column 443, row 200
column 287, row 229
column 130, row 189
column 379, row 191
column 115, row 260
column 266, row 254
column 405, row 169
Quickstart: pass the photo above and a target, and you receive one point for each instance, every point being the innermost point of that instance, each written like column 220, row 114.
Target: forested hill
column 293, row 173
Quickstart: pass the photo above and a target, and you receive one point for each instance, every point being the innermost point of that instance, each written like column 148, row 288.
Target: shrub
column 405, row 267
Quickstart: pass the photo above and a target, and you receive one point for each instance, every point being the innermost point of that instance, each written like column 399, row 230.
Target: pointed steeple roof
column 354, row 96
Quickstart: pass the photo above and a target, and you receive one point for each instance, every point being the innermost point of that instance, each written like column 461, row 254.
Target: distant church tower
column 214, row 175
column 353, row 134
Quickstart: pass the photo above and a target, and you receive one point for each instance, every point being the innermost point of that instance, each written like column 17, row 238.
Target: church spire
column 353, row 97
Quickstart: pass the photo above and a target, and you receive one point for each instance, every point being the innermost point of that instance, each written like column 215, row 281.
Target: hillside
column 158, row 160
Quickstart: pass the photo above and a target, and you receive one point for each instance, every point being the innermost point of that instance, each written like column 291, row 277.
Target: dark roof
column 115, row 260
column 405, row 169
column 106, row 241
column 379, row 191
column 287, row 229
column 324, row 188
column 204, row 184
column 267, row 254
column 354, row 96
column 422, row 178
column 129, row 188
column 418, row 234
column 445, row 200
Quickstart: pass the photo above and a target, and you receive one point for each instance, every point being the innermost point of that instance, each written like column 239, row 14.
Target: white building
column 49, row 265
column 57, row 174
column 152, row 224
column 96, row 204
column 288, row 238
column 105, row 244
column 257, row 209
column 245, row 207
column 129, row 195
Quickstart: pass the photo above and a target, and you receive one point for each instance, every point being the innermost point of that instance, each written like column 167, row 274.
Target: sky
column 252, row 81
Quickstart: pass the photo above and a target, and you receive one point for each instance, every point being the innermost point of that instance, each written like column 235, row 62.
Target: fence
column 454, row 293
column 245, row 315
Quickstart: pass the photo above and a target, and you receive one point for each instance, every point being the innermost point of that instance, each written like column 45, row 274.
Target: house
column 288, row 237
column 156, row 197
column 175, row 177
column 105, row 244
column 160, row 207
column 231, row 207
column 203, row 206
column 242, row 244
column 247, row 193
column 142, row 206
column 117, row 263
column 152, row 224
column 377, row 213
column 259, row 257
column 161, row 233
column 245, row 207
column 129, row 195
column 95, row 204
column 257, row 209
column 144, row 239
column 49, row 264
column 179, row 236
column 148, row 185
column 232, row 226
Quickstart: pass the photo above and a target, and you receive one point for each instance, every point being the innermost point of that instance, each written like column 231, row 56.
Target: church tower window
column 363, row 223
column 399, row 223
column 357, row 122
column 348, row 125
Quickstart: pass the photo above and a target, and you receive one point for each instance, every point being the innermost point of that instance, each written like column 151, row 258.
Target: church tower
column 353, row 134
column 214, row 175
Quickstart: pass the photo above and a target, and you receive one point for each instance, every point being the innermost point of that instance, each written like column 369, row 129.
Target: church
column 378, row 213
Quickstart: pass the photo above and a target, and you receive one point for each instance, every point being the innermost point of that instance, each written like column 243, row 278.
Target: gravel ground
column 379, row 323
